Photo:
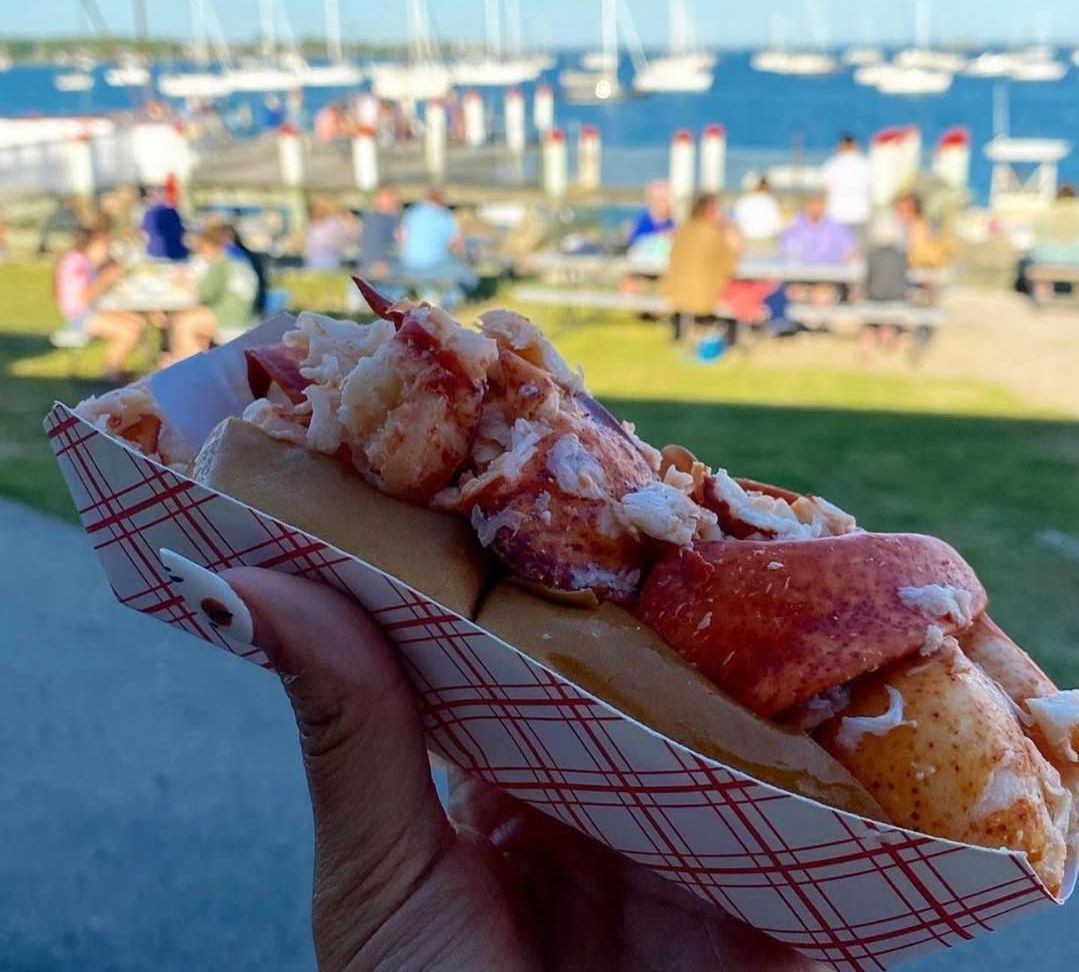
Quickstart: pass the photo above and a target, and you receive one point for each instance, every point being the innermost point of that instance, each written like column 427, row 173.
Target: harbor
column 831, row 245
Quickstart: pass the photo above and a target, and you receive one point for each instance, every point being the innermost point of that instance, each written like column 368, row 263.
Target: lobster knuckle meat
column 774, row 623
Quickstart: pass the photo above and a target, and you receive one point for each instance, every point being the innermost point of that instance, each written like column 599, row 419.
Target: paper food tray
column 844, row 890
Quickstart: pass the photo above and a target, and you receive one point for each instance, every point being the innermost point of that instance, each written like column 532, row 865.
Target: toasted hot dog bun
column 617, row 659
column 434, row 552
column 936, row 742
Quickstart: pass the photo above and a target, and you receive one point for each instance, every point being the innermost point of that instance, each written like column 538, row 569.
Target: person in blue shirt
column 656, row 217
column 164, row 226
column 430, row 240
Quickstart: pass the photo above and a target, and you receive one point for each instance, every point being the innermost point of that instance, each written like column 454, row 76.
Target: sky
column 574, row 23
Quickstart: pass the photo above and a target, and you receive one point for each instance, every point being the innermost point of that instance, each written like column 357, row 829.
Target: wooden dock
column 248, row 173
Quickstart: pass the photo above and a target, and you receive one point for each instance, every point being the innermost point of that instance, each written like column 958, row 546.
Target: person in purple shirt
column 814, row 237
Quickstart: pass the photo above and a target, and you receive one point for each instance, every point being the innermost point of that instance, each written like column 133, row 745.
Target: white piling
column 290, row 157
column 543, row 109
column 589, row 156
column 365, row 159
column 951, row 161
column 554, row 164
column 434, row 140
column 682, row 170
column 81, row 177
column 910, row 157
column 515, row 122
column 886, row 165
column 367, row 111
column 713, row 158
column 475, row 122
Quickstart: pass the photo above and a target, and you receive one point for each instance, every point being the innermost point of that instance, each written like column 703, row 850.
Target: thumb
column 378, row 824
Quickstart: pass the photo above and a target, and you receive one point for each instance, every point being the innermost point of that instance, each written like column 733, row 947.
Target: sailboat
column 272, row 70
column 922, row 56
column 6, row 62
column 338, row 73
column 495, row 68
column 1038, row 63
column 897, row 79
column 683, row 68
column 130, row 71
column 202, row 83
column 862, row 56
column 597, row 83
column 424, row 75
column 780, row 59
column 73, row 81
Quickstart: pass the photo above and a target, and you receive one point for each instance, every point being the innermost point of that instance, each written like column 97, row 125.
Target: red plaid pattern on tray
column 841, row 889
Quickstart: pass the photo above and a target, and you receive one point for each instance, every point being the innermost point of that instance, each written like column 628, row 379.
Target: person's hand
column 400, row 884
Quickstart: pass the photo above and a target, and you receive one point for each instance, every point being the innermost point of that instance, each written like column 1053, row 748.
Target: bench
column 920, row 322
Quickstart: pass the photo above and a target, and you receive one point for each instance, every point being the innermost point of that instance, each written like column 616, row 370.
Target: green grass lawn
column 968, row 461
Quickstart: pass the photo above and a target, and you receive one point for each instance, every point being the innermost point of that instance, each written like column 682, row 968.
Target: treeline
column 27, row 49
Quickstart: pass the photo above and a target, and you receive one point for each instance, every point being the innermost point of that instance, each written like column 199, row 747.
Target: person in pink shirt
column 82, row 275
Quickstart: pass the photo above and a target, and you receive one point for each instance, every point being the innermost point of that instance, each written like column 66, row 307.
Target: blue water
column 779, row 114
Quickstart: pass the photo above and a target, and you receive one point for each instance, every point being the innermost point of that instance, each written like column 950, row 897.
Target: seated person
column 430, row 240
column 885, row 277
column 379, row 232
column 227, row 291
column 757, row 215
column 163, row 226
column 331, row 231
column 656, row 217
column 703, row 258
column 83, row 274
column 926, row 248
column 814, row 237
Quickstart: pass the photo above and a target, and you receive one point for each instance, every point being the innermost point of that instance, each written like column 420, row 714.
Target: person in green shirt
column 227, row 292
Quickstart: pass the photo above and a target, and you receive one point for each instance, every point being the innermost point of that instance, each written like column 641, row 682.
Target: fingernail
column 209, row 597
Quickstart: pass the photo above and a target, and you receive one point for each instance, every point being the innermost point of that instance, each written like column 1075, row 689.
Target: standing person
column 757, row 215
column 846, row 178
column 703, row 258
column 83, row 274
column 331, row 231
column 162, row 224
column 227, row 292
column 379, row 232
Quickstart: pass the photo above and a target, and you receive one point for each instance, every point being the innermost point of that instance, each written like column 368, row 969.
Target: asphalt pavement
column 153, row 813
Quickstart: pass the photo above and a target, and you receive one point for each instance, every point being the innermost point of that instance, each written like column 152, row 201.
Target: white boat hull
column 329, row 75
column 73, row 81
column 494, row 74
column 590, row 86
column 896, row 80
column 399, row 82
column 132, row 76
column 194, row 85
column 672, row 75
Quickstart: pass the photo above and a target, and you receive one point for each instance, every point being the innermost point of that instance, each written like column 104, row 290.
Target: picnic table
column 605, row 267
column 164, row 287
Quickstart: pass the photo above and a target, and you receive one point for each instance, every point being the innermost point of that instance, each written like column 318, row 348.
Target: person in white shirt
column 757, row 215
column 846, row 185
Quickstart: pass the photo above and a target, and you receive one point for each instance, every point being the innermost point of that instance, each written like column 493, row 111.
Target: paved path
column 152, row 808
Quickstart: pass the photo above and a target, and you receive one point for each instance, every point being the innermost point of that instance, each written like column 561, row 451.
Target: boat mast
column 921, row 25
column 334, row 47
column 492, row 11
column 199, row 32
column 515, row 40
column 609, row 26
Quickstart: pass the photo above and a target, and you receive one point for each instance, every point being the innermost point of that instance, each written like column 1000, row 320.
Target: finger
column 378, row 824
